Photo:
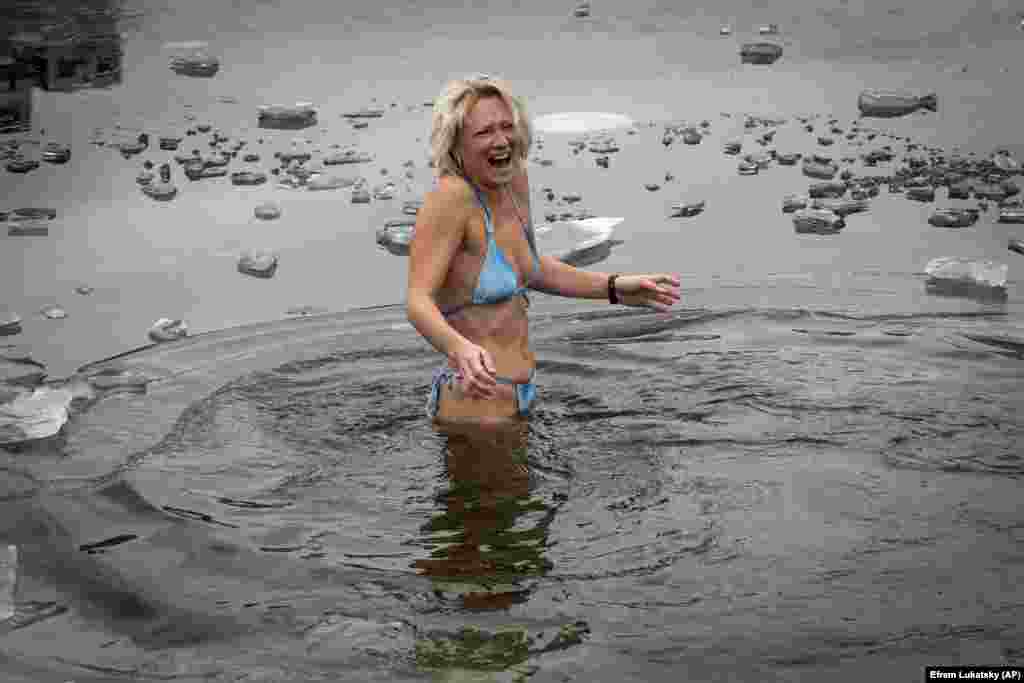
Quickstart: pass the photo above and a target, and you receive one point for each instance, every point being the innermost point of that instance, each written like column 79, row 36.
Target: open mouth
column 500, row 161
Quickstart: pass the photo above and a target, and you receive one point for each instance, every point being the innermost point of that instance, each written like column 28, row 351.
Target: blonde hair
column 450, row 110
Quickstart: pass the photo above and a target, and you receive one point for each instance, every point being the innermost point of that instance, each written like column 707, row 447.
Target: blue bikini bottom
column 526, row 392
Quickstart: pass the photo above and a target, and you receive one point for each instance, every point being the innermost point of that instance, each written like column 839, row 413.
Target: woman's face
column 488, row 143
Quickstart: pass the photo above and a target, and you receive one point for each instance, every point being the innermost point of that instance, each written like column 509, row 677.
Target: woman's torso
column 502, row 327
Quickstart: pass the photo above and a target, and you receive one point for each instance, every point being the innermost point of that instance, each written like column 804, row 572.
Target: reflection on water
column 486, row 546
column 15, row 96
column 491, row 534
column 57, row 48
column 71, row 62
column 80, row 47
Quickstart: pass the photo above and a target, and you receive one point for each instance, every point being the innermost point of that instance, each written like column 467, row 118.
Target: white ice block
column 969, row 271
column 8, row 579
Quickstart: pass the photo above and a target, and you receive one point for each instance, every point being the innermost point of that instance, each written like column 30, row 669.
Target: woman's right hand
column 475, row 368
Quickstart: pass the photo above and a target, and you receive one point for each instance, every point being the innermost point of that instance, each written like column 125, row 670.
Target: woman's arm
column 561, row 279
column 659, row 291
column 441, row 225
column 554, row 276
column 440, row 229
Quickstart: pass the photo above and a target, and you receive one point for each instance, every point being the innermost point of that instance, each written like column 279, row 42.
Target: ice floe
column 580, row 122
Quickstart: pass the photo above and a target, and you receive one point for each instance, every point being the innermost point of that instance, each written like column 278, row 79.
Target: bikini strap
column 488, row 224
column 528, row 233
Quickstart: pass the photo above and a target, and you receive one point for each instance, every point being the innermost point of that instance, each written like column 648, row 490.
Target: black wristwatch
column 613, row 297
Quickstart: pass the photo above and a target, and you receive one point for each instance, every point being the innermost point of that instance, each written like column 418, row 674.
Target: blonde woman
column 473, row 258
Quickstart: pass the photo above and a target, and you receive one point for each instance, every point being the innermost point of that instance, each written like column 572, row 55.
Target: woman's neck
column 495, row 194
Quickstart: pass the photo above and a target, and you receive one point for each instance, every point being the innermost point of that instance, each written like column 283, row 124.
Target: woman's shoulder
column 451, row 188
column 450, row 198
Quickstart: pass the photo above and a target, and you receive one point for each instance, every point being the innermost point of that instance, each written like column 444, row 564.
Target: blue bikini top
column 497, row 280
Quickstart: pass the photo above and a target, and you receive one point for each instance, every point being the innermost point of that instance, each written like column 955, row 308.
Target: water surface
column 808, row 469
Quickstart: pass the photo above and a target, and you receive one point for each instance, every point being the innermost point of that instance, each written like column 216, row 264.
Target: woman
column 473, row 257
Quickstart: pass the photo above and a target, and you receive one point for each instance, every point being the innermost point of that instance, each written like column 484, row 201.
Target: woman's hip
column 447, row 400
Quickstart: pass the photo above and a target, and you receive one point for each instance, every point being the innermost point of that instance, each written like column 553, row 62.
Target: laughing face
column 489, row 143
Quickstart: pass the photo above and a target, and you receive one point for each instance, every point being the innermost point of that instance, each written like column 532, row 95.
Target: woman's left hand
column 658, row 291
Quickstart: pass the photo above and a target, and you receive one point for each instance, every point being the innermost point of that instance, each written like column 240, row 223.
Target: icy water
column 807, row 470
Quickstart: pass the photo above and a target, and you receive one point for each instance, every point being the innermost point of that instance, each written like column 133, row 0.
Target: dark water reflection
column 491, row 533
column 61, row 48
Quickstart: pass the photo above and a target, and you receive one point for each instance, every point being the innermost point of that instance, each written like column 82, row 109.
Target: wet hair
column 450, row 110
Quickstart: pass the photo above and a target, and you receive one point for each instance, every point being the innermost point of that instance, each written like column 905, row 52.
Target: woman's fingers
column 478, row 375
column 482, row 385
column 488, row 362
column 659, row 292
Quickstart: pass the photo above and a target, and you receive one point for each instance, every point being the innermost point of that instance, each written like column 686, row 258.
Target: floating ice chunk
column 258, row 263
column 267, row 211
column 160, row 190
column 200, row 65
column 687, row 209
column 329, row 182
column 384, row 191
column 412, row 206
column 56, row 153
column 841, row 207
column 1011, row 214
column 953, row 218
column 960, row 270
column 578, row 242
column 793, row 202
column 165, row 329
column 34, row 415
column 760, row 53
column 580, row 122
column 53, row 312
column 892, row 103
column 186, row 45
column 300, row 115
column 348, row 156
column 248, row 178
column 396, row 235
column 17, row 367
column 365, row 113
column 819, row 221
column 10, row 323
column 1005, row 162
column 821, row 170
column 8, row 579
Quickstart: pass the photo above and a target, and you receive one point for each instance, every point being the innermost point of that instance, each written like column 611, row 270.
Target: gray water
column 806, row 470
